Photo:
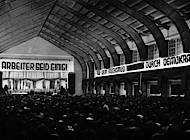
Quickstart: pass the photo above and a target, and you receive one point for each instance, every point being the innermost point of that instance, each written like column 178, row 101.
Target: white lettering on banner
column 35, row 65
column 111, row 71
column 185, row 58
column 117, row 69
column 167, row 62
column 159, row 63
column 152, row 64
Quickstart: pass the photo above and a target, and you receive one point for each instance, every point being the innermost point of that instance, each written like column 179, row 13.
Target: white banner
column 159, row 63
column 36, row 65
column 168, row 62
column 111, row 71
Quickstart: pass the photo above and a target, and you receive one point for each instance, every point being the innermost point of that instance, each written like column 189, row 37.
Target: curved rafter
column 179, row 22
column 89, row 42
column 125, row 48
column 92, row 30
column 106, row 43
column 142, row 49
column 73, row 53
column 81, row 47
column 87, row 48
column 80, row 52
column 156, row 32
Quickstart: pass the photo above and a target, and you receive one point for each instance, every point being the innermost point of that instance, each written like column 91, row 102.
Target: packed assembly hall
column 95, row 69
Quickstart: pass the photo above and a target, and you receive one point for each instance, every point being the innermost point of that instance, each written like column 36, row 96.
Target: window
column 111, row 62
column 154, row 90
column 135, row 56
column 179, row 46
column 94, row 66
column 175, row 47
column 122, row 59
column 101, row 64
column 171, row 47
column 153, row 52
column 176, row 89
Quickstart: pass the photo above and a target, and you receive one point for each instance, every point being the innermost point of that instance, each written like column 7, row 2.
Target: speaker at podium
column 71, row 82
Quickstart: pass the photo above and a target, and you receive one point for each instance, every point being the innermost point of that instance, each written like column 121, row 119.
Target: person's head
column 5, row 86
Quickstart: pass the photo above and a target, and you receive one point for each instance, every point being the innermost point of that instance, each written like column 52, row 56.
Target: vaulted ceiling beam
column 71, row 52
column 79, row 52
column 125, row 48
column 156, row 32
column 142, row 49
column 78, row 44
column 178, row 20
column 106, row 43
column 90, row 43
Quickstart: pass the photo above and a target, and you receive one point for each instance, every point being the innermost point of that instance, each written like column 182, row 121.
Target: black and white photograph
column 94, row 69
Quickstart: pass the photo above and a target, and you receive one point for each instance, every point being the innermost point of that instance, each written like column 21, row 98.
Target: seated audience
column 95, row 117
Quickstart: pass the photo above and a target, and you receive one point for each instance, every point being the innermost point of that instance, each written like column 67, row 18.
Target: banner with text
column 168, row 62
column 159, row 63
column 111, row 71
column 36, row 65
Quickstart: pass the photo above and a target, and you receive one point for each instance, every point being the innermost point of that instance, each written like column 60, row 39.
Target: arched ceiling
column 89, row 28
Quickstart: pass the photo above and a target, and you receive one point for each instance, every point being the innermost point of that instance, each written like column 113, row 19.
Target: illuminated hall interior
column 94, row 69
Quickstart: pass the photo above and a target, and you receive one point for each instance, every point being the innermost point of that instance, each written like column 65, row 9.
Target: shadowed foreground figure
column 96, row 117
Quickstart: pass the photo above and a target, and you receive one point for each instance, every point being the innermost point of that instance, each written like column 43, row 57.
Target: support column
column 144, row 88
column 122, row 89
column 107, row 86
column 91, row 86
column 102, row 88
column 116, row 84
column 34, row 84
column 128, row 88
column 140, row 84
column 186, row 85
column 163, row 86
column 13, row 84
column 98, row 86
column 84, row 86
column 98, row 89
column 117, row 88
column 87, row 87
column 187, row 91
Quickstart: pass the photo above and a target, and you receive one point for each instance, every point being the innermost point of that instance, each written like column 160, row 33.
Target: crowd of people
column 94, row 117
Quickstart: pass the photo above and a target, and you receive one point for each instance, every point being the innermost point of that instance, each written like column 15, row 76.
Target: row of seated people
column 95, row 117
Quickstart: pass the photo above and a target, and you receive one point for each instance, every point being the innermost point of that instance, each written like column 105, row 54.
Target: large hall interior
column 94, row 69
